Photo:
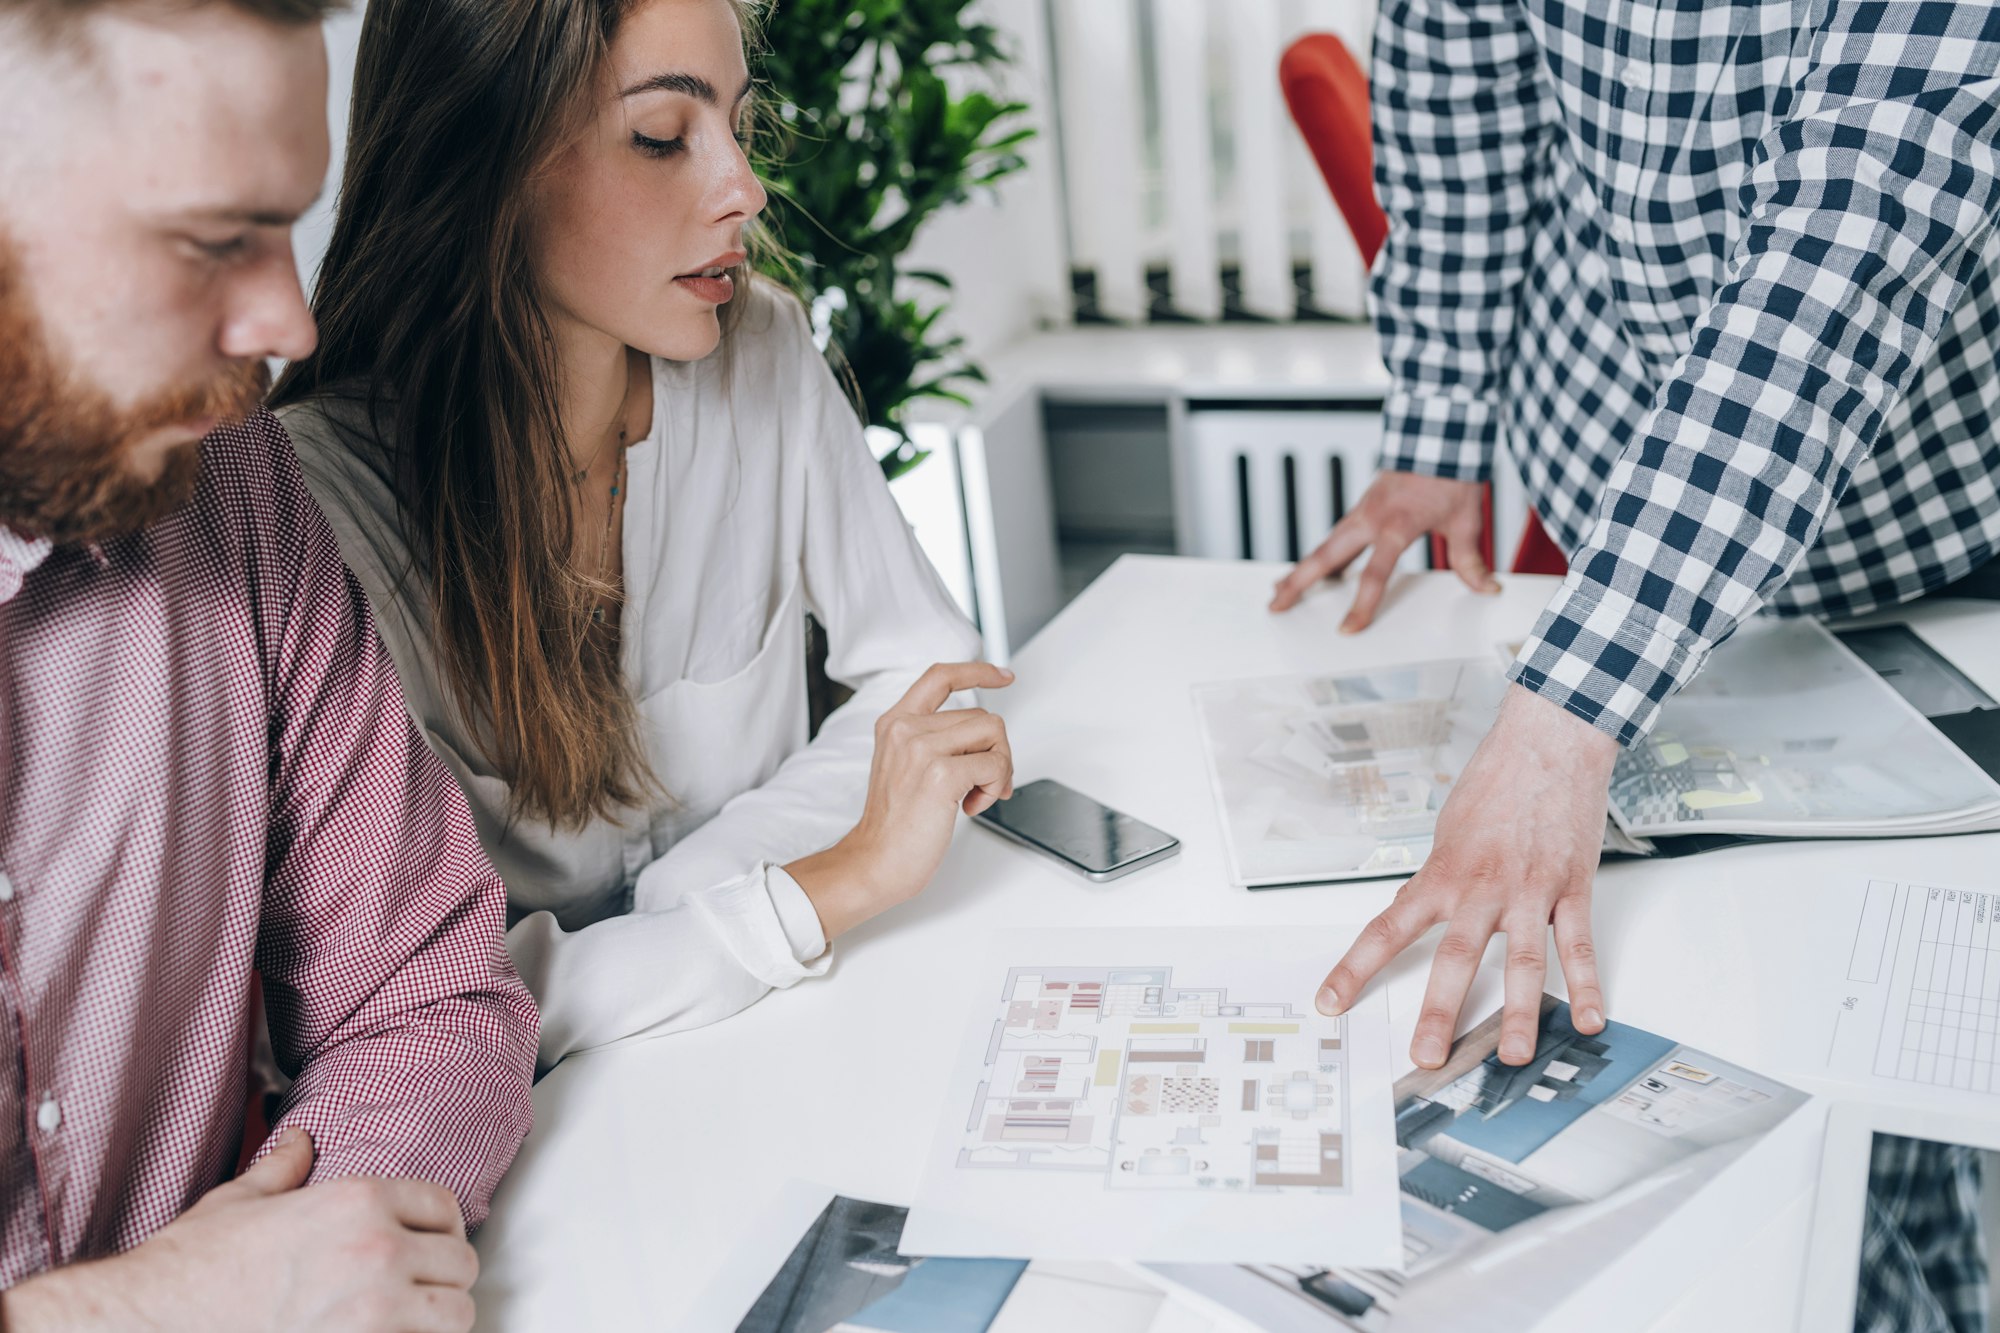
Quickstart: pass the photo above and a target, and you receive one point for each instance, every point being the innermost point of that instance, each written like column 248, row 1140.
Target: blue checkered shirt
column 1924, row 1266
column 1722, row 278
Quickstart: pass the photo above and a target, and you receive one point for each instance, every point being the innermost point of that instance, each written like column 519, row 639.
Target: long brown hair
column 429, row 312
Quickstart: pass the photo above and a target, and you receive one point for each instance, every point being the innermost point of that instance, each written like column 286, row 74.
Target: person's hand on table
column 1397, row 508
column 928, row 766
column 266, row 1252
column 1517, row 844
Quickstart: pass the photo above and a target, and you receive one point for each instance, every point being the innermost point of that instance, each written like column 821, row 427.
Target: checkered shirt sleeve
column 1866, row 210
column 1462, row 114
column 1923, row 1246
column 391, row 996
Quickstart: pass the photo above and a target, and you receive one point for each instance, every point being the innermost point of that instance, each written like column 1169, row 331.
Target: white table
column 650, row 1159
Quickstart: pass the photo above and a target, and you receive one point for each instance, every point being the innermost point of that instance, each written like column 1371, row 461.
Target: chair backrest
column 1327, row 92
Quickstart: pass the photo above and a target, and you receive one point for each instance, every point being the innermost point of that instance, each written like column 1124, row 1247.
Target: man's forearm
column 75, row 1299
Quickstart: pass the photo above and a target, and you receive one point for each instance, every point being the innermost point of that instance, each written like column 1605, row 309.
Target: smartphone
column 1083, row 834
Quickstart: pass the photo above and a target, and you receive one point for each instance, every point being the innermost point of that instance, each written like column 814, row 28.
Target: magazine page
column 844, row 1275
column 1787, row 731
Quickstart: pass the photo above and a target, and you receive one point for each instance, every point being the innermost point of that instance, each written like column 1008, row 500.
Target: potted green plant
column 878, row 115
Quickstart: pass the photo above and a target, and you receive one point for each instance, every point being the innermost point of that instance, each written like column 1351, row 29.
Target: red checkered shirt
column 208, row 768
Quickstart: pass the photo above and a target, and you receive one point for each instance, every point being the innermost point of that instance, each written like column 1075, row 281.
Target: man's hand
column 1397, row 509
column 261, row 1254
column 1517, row 843
column 928, row 766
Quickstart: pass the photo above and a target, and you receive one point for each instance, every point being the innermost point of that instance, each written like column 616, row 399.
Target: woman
column 593, row 477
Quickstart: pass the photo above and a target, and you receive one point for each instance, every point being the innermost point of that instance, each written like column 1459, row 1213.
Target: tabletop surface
column 650, row 1160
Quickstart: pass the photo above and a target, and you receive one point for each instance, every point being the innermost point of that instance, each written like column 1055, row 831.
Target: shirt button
column 48, row 1115
column 6, row 888
column 1632, row 75
column 1621, row 229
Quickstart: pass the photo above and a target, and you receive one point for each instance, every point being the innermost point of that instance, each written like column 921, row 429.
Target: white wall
column 309, row 239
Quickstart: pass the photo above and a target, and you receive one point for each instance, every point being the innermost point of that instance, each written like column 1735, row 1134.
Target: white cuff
column 796, row 914
column 647, row 973
column 745, row 916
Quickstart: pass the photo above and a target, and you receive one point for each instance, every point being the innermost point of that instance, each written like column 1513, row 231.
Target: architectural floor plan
column 1149, row 1083
column 1154, row 1094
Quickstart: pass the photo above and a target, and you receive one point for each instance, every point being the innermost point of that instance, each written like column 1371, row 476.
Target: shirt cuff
column 1439, row 435
column 1600, row 656
column 796, row 914
column 745, row 916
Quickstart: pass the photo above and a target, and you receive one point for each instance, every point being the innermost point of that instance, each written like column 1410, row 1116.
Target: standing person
column 593, row 475
column 1723, row 277
column 206, row 767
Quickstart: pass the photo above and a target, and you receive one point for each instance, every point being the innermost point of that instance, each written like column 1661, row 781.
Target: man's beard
column 64, row 470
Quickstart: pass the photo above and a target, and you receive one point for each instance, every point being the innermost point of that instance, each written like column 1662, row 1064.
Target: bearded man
column 206, row 767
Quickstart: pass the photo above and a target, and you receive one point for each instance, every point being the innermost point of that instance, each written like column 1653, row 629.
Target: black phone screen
column 1070, row 824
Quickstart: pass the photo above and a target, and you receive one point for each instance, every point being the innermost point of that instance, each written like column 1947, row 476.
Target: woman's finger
column 945, row 679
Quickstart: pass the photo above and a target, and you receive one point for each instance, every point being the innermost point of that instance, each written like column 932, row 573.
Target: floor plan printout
column 1166, row 1095
column 1917, row 1005
column 1341, row 777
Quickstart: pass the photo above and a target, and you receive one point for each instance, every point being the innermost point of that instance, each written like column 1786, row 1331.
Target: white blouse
column 752, row 500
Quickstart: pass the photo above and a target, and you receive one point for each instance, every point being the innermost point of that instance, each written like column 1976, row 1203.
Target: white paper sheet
column 1915, row 1002
column 1165, row 1095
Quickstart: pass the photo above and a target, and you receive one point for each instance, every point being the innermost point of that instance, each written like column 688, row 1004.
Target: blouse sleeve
column 649, row 973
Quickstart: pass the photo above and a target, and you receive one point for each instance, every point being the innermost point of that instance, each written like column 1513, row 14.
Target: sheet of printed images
column 1788, row 732
column 1524, row 1188
column 1341, row 777
column 1164, row 1094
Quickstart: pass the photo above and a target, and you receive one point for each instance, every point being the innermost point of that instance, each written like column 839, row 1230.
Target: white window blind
column 1187, row 190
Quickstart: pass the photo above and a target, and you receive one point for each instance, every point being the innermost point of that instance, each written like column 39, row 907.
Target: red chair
column 1327, row 92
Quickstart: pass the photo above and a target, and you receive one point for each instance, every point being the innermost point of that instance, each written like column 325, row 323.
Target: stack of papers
column 1786, row 734
column 1523, row 1194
